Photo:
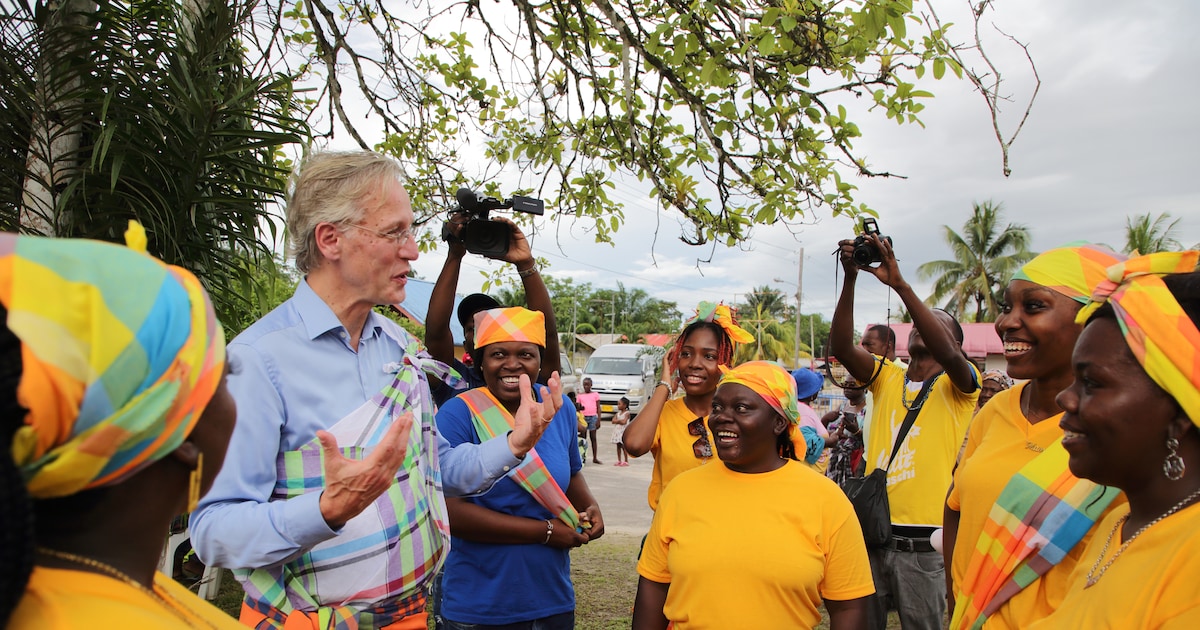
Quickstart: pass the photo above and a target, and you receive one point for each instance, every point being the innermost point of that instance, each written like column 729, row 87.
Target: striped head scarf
column 510, row 324
column 1072, row 270
column 1162, row 337
column 121, row 354
column 722, row 316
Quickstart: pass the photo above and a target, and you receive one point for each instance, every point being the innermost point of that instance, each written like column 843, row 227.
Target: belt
column 910, row 545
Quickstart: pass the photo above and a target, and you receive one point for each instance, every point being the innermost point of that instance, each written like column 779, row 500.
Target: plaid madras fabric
column 1160, row 334
column 379, row 563
column 491, row 419
column 1043, row 512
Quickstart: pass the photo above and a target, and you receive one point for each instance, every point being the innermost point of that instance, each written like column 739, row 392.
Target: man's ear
column 329, row 240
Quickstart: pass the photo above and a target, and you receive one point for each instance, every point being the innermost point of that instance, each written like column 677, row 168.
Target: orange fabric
column 301, row 621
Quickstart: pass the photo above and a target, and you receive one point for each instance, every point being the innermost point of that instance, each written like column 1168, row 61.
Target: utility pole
column 799, row 290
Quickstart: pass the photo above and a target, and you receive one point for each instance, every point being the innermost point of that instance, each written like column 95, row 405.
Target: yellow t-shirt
column 998, row 447
column 672, row 447
column 66, row 599
column 920, row 475
column 1151, row 585
column 754, row 551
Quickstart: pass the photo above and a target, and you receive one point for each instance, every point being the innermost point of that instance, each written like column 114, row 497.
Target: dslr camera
column 865, row 254
column 481, row 235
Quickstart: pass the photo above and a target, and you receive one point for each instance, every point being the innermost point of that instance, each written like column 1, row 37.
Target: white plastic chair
column 210, row 581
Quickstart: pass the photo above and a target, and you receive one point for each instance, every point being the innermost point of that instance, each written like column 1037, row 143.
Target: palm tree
column 154, row 111
column 1144, row 235
column 985, row 256
column 773, row 340
column 774, row 303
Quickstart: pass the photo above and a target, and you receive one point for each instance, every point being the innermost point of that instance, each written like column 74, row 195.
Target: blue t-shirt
column 496, row 584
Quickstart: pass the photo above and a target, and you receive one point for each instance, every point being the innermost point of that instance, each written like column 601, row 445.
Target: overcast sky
column 1113, row 133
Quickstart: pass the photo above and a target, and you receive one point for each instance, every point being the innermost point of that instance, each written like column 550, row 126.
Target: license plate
column 608, row 408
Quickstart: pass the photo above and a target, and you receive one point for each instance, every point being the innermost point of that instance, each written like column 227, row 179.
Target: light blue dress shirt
column 293, row 373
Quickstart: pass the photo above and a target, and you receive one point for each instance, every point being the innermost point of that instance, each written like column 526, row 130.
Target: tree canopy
column 732, row 111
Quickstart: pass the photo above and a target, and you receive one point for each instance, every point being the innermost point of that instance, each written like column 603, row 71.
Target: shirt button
column 507, row 468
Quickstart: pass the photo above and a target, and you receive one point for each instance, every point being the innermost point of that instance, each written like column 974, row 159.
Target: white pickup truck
column 622, row 370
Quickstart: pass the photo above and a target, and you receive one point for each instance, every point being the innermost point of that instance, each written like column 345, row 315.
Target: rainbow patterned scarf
column 1043, row 512
column 121, row 354
column 490, row 420
column 1161, row 336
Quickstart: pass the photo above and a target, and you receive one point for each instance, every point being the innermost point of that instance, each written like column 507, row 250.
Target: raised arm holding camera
column 511, row 247
column 938, row 389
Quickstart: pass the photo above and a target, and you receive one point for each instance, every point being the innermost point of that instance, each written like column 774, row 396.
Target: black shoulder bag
column 868, row 494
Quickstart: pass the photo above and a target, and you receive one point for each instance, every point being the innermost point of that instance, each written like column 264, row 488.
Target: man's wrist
column 526, row 270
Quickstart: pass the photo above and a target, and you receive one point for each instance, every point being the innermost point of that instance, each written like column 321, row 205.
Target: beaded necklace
column 1092, row 576
column 179, row 609
column 920, row 401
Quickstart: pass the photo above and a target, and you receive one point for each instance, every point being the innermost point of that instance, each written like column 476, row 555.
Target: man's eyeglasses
column 397, row 237
column 701, row 448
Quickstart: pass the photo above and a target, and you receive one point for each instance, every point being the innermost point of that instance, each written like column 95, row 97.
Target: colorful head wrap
column 510, row 324
column 771, row 382
column 722, row 316
column 997, row 376
column 1072, row 270
column 121, row 354
column 1162, row 337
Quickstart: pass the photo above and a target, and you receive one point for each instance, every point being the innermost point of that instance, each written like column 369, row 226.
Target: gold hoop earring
column 1173, row 465
column 194, row 483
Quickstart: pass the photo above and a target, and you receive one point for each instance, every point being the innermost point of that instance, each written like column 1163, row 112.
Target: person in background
column 673, row 429
column 619, row 421
column 509, row 566
column 590, row 402
column 1131, row 421
column 796, row 543
column 439, row 341
column 115, row 420
column 879, row 340
column 908, row 569
column 991, row 383
column 808, row 387
column 316, row 534
column 846, row 456
column 1012, row 491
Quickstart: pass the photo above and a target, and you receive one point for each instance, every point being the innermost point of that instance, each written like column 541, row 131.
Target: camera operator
column 438, row 338
column 907, row 568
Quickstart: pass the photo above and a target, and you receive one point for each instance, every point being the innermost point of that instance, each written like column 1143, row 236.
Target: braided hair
column 724, row 343
column 16, row 514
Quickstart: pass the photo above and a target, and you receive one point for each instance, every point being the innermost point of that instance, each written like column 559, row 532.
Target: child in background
column 618, row 424
column 581, row 423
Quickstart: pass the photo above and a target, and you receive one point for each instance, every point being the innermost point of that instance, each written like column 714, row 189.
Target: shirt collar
column 319, row 319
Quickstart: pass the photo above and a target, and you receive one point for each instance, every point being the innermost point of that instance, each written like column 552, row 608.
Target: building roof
column 415, row 306
column 979, row 340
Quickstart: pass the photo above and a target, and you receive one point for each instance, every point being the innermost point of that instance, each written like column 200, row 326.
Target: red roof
column 979, row 340
column 657, row 339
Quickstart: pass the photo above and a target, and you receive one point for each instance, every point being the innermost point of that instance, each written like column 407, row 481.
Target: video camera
column 481, row 235
column 864, row 252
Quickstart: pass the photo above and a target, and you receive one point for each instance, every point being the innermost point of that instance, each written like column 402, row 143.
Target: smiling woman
column 1130, row 421
column 525, row 526
column 1012, row 467
column 800, row 545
